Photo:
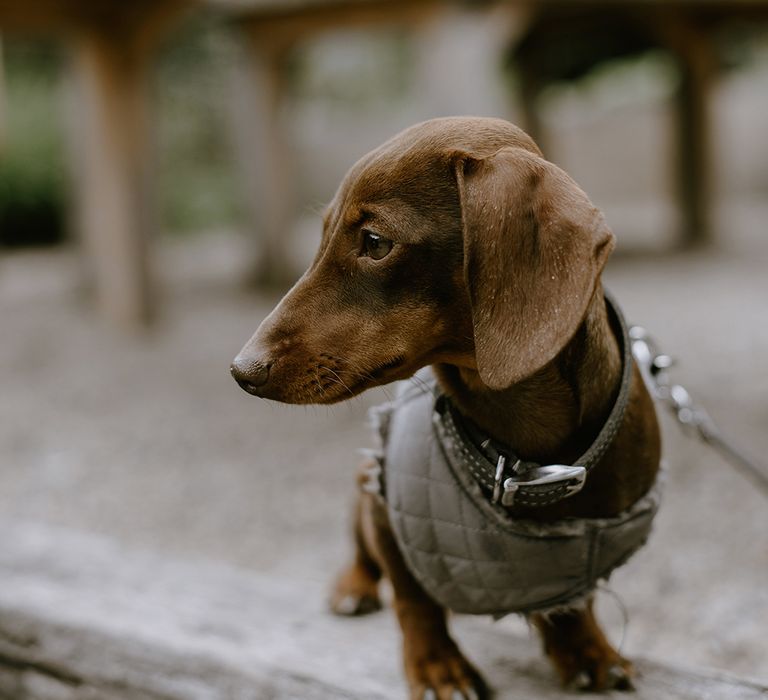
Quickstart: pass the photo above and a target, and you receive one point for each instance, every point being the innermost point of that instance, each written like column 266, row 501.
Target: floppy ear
column 534, row 246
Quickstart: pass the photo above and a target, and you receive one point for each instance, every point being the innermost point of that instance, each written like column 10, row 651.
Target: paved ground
column 148, row 441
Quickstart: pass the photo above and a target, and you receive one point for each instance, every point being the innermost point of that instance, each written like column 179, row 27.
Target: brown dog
column 456, row 245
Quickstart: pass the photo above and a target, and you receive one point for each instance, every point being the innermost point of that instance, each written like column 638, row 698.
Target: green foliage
column 197, row 176
column 31, row 164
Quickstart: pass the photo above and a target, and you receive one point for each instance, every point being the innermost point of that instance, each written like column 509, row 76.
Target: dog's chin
column 334, row 387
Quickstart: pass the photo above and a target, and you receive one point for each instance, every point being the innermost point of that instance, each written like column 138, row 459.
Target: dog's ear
column 534, row 247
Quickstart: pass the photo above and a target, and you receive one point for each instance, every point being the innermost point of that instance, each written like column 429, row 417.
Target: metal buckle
column 575, row 477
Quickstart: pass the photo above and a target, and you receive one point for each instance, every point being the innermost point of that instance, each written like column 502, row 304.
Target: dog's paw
column 444, row 676
column 581, row 653
column 596, row 672
column 355, row 592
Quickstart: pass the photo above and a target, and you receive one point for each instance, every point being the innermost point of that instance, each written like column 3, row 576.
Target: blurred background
column 162, row 169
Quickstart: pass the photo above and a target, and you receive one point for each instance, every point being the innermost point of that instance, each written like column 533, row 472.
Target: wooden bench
column 81, row 618
column 112, row 44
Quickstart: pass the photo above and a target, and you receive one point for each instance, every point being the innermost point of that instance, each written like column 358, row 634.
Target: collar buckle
column 566, row 480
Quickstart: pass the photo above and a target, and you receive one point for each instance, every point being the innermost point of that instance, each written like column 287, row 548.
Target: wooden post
column 263, row 154
column 694, row 164
column 692, row 47
column 113, row 186
column 112, row 178
column 529, row 85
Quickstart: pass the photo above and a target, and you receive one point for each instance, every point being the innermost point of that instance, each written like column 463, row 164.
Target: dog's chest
column 468, row 554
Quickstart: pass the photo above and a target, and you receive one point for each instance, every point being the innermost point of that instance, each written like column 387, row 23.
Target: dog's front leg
column 580, row 652
column 434, row 666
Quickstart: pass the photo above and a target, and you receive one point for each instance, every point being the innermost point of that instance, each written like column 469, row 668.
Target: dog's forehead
column 419, row 157
column 415, row 166
column 397, row 173
column 388, row 176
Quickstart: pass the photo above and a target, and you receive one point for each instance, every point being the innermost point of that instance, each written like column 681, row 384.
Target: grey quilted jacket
column 468, row 554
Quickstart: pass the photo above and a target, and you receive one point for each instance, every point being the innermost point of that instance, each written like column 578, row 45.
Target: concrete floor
column 148, row 441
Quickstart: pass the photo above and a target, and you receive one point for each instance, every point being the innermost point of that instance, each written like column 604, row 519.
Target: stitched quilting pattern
column 468, row 561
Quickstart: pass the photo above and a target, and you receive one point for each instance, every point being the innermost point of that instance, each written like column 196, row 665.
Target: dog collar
column 513, row 481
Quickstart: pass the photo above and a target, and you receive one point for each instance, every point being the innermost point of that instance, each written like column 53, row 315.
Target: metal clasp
column 653, row 366
column 652, row 362
column 573, row 476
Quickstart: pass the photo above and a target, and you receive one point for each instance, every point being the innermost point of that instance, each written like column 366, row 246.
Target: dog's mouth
column 383, row 369
column 336, row 380
column 380, row 374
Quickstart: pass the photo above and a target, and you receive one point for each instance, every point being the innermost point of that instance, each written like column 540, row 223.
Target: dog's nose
column 250, row 374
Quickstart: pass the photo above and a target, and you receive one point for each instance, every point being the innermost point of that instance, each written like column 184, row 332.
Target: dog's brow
column 328, row 220
column 355, row 217
column 404, row 224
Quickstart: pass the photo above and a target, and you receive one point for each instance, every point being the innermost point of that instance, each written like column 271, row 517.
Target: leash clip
column 653, row 366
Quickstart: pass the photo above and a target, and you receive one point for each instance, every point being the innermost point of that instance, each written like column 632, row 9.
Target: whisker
column 317, row 385
column 421, row 384
column 367, row 375
column 338, row 378
column 344, row 366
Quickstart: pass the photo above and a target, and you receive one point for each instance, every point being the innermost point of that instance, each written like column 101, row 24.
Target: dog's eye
column 375, row 246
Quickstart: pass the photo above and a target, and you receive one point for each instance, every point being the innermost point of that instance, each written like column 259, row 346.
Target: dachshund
column 456, row 246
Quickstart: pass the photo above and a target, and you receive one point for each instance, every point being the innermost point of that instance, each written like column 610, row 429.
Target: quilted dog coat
column 468, row 554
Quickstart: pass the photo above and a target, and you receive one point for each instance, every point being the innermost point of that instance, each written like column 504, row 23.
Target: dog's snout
column 250, row 374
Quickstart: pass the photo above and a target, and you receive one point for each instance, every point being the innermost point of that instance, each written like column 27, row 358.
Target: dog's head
column 454, row 242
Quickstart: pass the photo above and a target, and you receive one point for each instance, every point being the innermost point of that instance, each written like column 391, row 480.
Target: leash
column 654, row 366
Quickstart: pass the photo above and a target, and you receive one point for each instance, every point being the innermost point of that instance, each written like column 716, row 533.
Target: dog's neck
column 553, row 415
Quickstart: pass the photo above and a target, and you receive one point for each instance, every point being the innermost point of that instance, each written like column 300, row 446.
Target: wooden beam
column 305, row 18
column 81, row 617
